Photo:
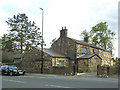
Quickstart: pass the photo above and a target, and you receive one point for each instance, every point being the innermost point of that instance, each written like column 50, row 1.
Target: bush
column 106, row 65
column 6, row 60
column 81, row 71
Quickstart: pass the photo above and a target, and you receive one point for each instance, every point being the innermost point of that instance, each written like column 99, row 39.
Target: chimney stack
column 63, row 32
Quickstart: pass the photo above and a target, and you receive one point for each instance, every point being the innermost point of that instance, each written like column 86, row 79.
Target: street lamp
column 42, row 43
column 75, row 69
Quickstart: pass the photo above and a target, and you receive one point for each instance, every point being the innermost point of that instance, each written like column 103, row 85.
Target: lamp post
column 75, row 69
column 42, row 43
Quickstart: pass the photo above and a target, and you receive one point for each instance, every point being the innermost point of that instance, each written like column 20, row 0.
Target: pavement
column 79, row 75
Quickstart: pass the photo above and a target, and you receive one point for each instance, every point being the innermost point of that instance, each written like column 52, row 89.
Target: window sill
column 59, row 66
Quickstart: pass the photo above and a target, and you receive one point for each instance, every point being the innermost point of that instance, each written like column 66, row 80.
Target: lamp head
column 41, row 8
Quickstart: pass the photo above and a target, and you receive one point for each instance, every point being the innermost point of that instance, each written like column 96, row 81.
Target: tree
column 116, row 60
column 85, row 33
column 53, row 41
column 102, row 36
column 23, row 33
column 7, row 43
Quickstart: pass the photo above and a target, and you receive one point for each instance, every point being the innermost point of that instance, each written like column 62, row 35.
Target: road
column 36, row 81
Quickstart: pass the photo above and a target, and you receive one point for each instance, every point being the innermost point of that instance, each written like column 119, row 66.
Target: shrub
column 106, row 65
column 6, row 60
column 81, row 71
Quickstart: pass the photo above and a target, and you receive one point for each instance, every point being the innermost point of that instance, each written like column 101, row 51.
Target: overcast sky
column 76, row 15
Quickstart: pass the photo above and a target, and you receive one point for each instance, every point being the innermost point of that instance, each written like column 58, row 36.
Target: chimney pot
column 65, row 27
column 63, row 32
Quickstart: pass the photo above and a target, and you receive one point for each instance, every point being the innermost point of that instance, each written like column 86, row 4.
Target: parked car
column 11, row 70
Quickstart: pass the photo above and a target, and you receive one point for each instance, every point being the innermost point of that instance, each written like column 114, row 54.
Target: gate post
column 98, row 69
column 108, row 70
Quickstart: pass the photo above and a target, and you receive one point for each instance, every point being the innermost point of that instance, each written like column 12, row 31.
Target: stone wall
column 89, row 65
column 63, row 70
column 66, row 46
column 89, row 50
column 83, row 65
column 105, row 55
column 107, row 70
column 31, row 61
column 93, row 62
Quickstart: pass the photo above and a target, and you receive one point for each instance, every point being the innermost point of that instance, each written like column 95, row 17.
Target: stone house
column 66, row 55
column 82, row 52
column 54, row 62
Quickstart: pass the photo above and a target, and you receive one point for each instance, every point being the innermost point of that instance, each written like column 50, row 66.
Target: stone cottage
column 66, row 55
column 54, row 62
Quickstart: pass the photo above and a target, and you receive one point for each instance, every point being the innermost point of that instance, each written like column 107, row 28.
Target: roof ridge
column 80, row 40
column 83, row 42
column 52, row 52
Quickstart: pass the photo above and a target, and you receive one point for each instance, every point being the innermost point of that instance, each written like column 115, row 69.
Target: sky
column 76, row 15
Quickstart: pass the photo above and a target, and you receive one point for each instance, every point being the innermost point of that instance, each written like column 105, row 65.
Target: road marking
column 34, row 77
column 57, row 86
column 13, row 81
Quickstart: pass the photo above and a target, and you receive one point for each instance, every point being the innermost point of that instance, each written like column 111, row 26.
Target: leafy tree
column 102, row 36
column 116, row 60
column 84, row 33
column 53, row 41
column 0, row 42
column 7, row 43
column 23, row 33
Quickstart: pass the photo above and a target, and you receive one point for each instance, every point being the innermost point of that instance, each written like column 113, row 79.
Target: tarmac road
column 57, row 81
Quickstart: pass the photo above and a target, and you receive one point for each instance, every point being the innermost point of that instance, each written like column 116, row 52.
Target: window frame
column 83, row 50
column 60, row 62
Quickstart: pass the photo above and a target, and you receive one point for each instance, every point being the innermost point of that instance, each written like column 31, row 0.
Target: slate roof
column 86, row 44
column 53, row 53
column 88, row 56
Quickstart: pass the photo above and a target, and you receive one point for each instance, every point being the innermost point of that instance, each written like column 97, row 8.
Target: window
column 59, row 62
column 88, row 51
column 54, row 62
column 93, row 50
column 83, row 50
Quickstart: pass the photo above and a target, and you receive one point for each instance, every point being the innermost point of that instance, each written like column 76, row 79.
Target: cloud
column 76, row 15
